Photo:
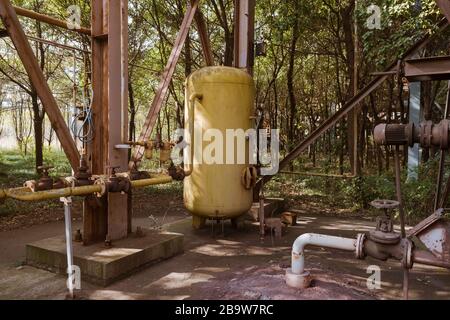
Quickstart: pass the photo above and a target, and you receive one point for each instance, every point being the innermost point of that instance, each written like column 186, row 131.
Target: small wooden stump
column 289, row 218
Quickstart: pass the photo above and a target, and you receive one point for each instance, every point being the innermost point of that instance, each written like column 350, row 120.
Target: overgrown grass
column 16, row 168
column 355, row 194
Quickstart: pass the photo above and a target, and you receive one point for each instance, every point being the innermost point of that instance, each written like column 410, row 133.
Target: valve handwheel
column 384, row 204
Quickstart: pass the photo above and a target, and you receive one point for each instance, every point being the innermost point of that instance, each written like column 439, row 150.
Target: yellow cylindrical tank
column 217, row 98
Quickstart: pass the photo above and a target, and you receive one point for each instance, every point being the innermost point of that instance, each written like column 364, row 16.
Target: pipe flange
column 360, row 246
column 71, row 181
column 298, row 281
column 101, row 182
column 407, row 260
column 444, row 129
column 426, row 134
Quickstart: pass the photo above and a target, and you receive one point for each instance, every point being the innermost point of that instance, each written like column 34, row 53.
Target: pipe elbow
column 301, row 242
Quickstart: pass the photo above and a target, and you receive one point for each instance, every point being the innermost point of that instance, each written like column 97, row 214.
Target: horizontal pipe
column 49, row 20
column 151, row 181
column 314, row 174
column 25, row 194
column 320, row 240
column 52, row 194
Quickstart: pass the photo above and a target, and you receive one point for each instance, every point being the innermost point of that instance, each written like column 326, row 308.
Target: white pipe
column 68, row 226
column 313, row 239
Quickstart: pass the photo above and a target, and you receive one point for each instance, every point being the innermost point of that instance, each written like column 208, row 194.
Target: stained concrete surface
column 234, row 265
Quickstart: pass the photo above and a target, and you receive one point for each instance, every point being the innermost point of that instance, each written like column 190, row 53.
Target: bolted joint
column 359, row 252
column 407, row 260
column 119, row 184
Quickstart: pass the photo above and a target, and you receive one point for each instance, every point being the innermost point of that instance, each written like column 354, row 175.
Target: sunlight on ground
column 115, row 252
column 177, row 280
column 113, row 295
column 217, row 250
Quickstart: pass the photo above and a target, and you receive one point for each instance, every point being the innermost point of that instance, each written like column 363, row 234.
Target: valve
column 118, row 184
column 384, row 232
column 45, row 182
column 83, row 175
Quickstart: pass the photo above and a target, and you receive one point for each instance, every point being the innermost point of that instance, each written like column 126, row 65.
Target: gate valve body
column 118, row 184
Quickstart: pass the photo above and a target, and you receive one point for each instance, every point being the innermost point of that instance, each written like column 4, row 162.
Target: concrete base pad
column 101, row 265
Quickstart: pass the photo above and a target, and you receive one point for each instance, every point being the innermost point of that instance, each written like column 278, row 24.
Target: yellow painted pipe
column 52, row 194
column 152, row 181
column 25, row 194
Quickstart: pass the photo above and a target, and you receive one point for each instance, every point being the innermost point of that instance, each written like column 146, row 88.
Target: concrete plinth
column 101, row 265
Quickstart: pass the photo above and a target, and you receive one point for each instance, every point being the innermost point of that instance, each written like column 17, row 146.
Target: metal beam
column 30, row 63
column 117, row 110
column 430, row 68
column 204, row 39
column 444, row 5
column 49, row 20
column 244, row 29
column 161, row 93
column 352, row 103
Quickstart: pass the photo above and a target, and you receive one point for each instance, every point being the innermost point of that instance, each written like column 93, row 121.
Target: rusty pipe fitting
column 402, row 251
column 427, row 134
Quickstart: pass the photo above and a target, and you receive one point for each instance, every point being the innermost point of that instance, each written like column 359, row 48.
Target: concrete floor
column 231, row 266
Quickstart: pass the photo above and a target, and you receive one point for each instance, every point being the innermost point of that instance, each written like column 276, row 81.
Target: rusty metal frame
column 49, row 20
column 444, row 5
column 164, row 83
column 204, row 39
column 37, row 78
column 352, row 103
column 429, row 68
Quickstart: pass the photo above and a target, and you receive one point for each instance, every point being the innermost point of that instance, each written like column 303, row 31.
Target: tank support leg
column 198, row 222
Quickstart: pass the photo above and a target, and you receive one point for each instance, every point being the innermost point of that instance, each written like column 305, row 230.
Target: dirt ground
column 215, row 265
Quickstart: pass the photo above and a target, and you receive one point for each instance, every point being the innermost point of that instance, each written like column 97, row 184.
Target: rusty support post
column 352, row 103
column 37, row 78
column 117, row 91
column 49, row 20
column 444, row 5
column 164, row 83
column 443, row 199
column 204, row 39
column 95, row 210
column 398, row 190
column 108, row 217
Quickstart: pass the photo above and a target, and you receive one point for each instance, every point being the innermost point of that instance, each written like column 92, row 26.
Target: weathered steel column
column 108, row 217
column 244, row 30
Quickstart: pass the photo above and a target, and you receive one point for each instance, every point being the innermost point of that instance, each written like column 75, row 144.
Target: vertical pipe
column 405, row 284
column 402, row 215
column 439, row 201
column 399, row 190
column 69, row 249
column 261, row 213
